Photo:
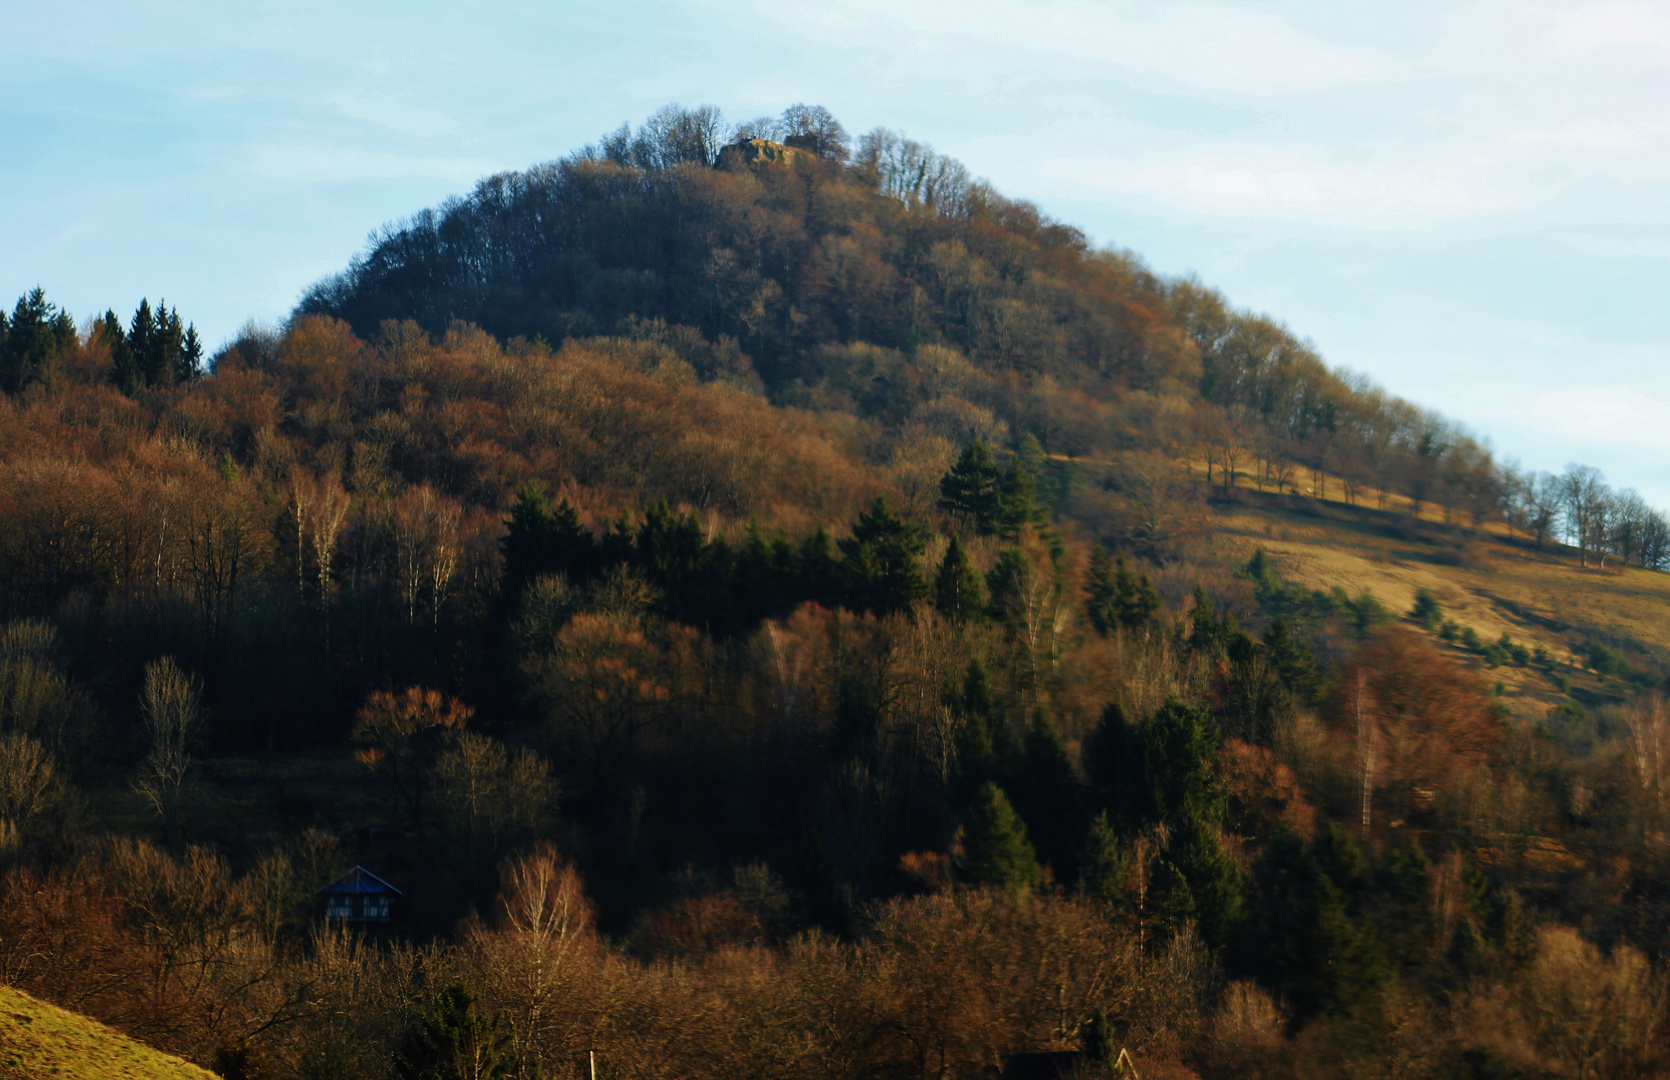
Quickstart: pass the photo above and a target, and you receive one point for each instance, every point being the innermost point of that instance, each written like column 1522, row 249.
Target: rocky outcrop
column 754, row 152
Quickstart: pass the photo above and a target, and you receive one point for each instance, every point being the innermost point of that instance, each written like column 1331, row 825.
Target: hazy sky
column 1469, row 202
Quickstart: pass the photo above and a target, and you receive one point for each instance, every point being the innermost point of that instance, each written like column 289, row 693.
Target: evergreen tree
column 1100, row 592
column 527, row 540
column 32, row 340
column 1006, row 582
column 1113, row 762
column 1136, row 601
column 124, row 369
column 1103, row 867
column 970, row 488
column 1017, row 495
column 542, row 539
column 957, row 592
column 817, row 569
column 1049, row 797
column 1427, row 610
column 142, row 339
column 996, row 852
column 1294, row 663
column 980, row 736
column 456, row 1042
column 1304, row 938
column 882, row 561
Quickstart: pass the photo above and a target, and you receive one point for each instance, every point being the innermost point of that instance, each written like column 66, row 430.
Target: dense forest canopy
column 757, row 593
column 829, row 276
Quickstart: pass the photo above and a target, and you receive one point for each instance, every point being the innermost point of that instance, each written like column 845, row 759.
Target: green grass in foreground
column 39, row 1041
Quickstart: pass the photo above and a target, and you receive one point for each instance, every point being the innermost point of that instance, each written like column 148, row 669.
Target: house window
column 375, row 907
column 339, row 907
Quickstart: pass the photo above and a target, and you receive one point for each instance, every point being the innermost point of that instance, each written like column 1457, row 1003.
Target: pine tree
column 1049, row 797
column 1101, row 592
column 1113, row 762
column 1136, row 601
column 1103, row 867
column 1017, row 495
column 970, row 488
column 1294, row 663
column 996, row 852
column 527, row 541
column 143, row 340
column 124, row 369
column 817, row 569
column 34, row 336
column 1006, row 582
column 882, row 561
column 455, row 1042
column 957, row 592
column 1303, row 937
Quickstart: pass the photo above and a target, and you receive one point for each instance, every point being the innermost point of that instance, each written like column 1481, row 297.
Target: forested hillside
column 774, row 606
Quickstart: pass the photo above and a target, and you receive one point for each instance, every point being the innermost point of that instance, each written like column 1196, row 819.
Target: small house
column 359, row 896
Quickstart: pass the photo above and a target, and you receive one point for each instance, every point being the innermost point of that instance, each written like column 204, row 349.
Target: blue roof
column 356, row 881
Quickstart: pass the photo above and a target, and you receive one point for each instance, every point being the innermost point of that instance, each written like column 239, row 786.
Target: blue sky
column 1469, row 202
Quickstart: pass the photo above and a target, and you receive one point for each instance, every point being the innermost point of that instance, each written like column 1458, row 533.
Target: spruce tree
column 124, row 369
column 1017, row 495
column 996, row 852
column 1294, row 663
column 1101, row 592
column 1303, row 937
column 817, row 570
column 456, row 1042
column 1136, row 601
column 527, row 541
column 957, row 592
column 142, row 339
column 882, row 561
column 1103, row 866
column 1047, row 793
column 1113, row 760
column 970, row 488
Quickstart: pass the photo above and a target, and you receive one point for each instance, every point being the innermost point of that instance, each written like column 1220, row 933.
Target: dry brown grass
column 1482, row 579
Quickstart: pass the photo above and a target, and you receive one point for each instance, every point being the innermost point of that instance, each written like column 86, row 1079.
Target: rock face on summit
column 754, row 151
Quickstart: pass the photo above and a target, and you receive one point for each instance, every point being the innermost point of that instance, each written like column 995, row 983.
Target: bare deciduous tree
column 172, row 719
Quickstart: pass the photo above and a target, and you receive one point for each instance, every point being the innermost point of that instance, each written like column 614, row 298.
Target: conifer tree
column 1103, row 866
column 1049, row 797
column 1113, row 762
column 124, row 369
column 1294, row 663
column 1303, row 938
column 818, row 569
column 882, row 561
column 1135, row 598
column 1017, row 495
column 33, row 338
column 1100, row 591
column 1116, row 595
column 970, row 488
column 957, row 592
column 996, row 852
column 456, row 1042
column 528, row 538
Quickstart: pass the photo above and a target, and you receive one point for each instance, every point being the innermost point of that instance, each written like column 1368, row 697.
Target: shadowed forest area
column 774, row 606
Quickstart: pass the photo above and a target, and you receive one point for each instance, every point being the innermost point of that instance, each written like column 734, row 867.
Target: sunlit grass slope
column 1483, row 579
column 40, row 1041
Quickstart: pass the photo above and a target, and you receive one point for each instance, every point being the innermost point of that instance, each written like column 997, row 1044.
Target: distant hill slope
column 1485, row 581
column 38, row 1040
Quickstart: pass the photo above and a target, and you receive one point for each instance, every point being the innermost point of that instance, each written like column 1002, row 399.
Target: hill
column 38, row 1041
column 793, row 611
